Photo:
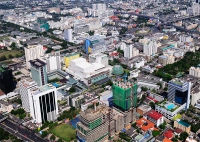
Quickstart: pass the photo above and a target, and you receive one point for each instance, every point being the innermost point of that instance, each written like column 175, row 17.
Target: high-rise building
column 26, row 88
column 7, row 82
column 68, row 35
column 95, row 44
column 194, row 71
column 94, row 125
column 53, row 61
column 69, row 57
column 150, row 48
column 41, row 102
column 38, row 72
column 128, row 51
column 124, row 95
column 179, row 91
column 33, row 52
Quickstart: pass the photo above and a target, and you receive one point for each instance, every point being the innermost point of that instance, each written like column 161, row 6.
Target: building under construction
column 97, row 125
column 124, row 95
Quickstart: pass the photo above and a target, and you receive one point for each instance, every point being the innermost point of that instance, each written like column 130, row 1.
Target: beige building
column 194, row 71
column 166, row 59
column 182, row 125
column 143, row 109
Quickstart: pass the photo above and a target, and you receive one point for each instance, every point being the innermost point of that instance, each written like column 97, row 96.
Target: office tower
column 33, row 52
column 41, row 102
column 53, row 61
column 38, row 72
column 95, row 44
column 68, row 35
column 69, row 57
column 94, row 124
column 26, row 87
column 124, row 95
column 179, row 91
column 128, row 51
column 7, row 82
column 150, row 48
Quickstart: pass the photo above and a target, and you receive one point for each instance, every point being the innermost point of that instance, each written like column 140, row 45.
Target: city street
column 20, row 132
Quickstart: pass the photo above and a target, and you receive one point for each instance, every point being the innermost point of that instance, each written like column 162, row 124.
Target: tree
column 144, row 88
column 10, row 56
column 72, row 89
column 52, row 137
column 13, row 45
column 155, row 133
column 152, row 104
column 44, row 134
column 183, row 136
column 91, row 33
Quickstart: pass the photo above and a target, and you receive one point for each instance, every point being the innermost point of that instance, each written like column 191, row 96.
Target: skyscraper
column 7, row 82
column 33, row 52
column 150, row 48
column 26, row 88
column 179, row 91
column 68, row 35
column 124, row 95
column 128, row 51
column 53, row 61
column 38, row 72
column 41, row 102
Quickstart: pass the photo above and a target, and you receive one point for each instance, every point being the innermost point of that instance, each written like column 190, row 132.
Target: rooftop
column 37, row 63
column 154, row 114
column 169, row 134
column 145, row 124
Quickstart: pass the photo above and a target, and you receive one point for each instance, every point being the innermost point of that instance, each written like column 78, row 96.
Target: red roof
column 152, row 99
column 178, row 131
column 169, row 134
column 155, row 115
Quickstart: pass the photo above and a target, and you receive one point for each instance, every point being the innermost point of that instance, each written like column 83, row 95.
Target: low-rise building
column 155, row 117
column 182, row 125
column 143, row 109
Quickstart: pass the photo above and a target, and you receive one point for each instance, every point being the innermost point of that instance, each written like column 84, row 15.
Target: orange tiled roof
column 144, row 124
column 167, row 140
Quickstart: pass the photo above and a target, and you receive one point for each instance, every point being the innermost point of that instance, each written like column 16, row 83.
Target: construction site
column 103, row 122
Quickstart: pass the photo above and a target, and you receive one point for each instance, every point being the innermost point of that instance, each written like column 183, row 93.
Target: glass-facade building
column 179, row 92
column 38, row 72
column 94, row 44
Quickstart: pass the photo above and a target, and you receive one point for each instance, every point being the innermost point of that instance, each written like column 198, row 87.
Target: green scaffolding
column 95, row 123
column 122, row 97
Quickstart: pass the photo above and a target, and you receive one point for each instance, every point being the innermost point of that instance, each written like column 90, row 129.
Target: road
column 20, row 131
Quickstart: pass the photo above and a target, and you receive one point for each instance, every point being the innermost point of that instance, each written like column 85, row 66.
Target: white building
column 33, row 52
column 53, row 61
column 150, row 48
column 89, row 73
column 26, row 86
column 41, row 102
column 68, row 35
column 194, row 71
column 128, row 51
column 105, row 96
